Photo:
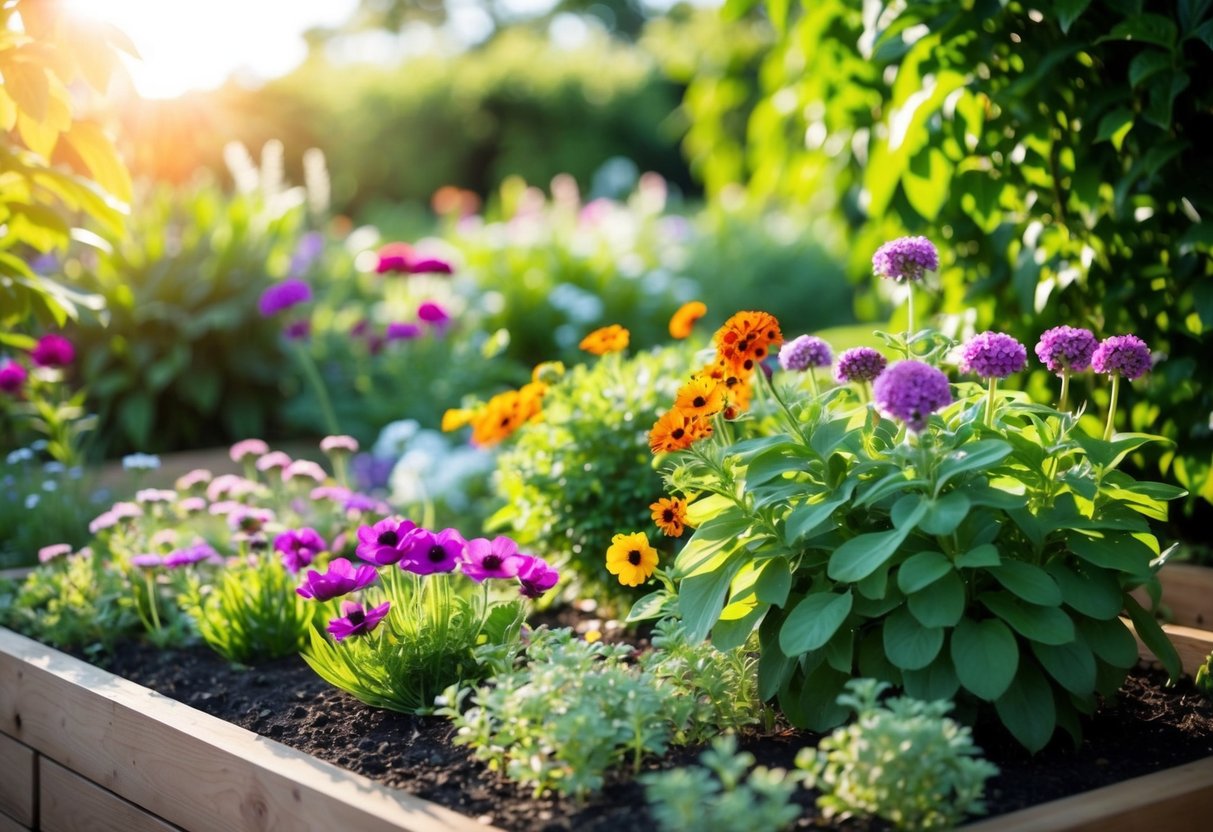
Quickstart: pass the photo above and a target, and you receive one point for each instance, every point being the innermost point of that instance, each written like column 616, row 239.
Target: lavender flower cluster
column 805, row 352
column 905, row 259
column 911, row 391
column 993, row 355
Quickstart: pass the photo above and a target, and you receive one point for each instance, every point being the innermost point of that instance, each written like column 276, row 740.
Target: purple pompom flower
column 498, row 558
column 299, row 547
column 1066, row 348
column 911, row 391
column 284, row 295
column 426, row 553
column 12, row 377
column 356, row 620
column 859, row 365
column 906, row 258
column 381, row 543
column 804, row 353
column 53, row 351
column 993, row 355
column 341, row 579
column 1124, row 355
column 535, row 577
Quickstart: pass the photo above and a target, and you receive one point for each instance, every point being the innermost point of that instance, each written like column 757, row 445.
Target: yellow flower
column 607, row 339
column 548, row 372
column 684, row 319
column 670, row 515
column 631, row 558
column 455, row 418
column 701, row 396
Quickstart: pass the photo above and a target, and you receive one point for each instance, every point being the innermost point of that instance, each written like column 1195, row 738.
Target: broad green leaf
column 813, row 622
column 701, row 597
column 729, row 634
column 984, row 555
column 774, row 668
column 1115, row 550
column 922, row 569
column 774, row 582
column 1072, row 664
column 649, row 606
column 806, row 519
column 818, row 697
column 864, row 554
column 1031, row 583
column 712, row 540
column 971, row 457
column 1147, row 64
column 1114, row 127
column 1068, row 11
column 941, row 604
column 985, row 657
column 934, row 682
column 1110, row 640
column 707, row 508
column 1145, row 28
column 825, row 438
column 1027, row 708
column 1153, row 637
column 774, row 462
column 925, row 182
column 1109, row 454
column 945, row 514
column 1048, row 625
column 873, row 662
column 1091, row 591
column 908, row 644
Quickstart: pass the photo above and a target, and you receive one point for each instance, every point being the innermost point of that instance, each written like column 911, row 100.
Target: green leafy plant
column 725, row 793
column 864, row 770
column 1204, row 677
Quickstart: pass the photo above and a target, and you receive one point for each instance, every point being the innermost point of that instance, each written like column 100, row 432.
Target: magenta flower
column 53, row 351
column 341, row 579
column 911, row 391
column 194, row 554
column 284, row 295
column 381, row 543
column 536, row 577
column 246, row 448
column 433, row 314
column 993, row 355
column 1066, row 348
column 906, row 258
column 356, row 620
column 859, row 365
column 394, row 257
column 498, row 558
column 12, row 377
column 426, row 553
column 424, row 264
column 147, row 561
column 804, row 353
column 297, row 330
column 299, row 547
column 1124, row 355
column 402, row 332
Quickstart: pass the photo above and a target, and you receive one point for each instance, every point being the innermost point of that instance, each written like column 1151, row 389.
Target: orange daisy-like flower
column 684, row 319
column 670, row 515
column 701, row 396
column 497, row 419
column 607, row 339
column 746, row 339
column 530, row 400
column 677, row 431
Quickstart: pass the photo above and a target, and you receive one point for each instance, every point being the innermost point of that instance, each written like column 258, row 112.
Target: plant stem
column 1065, row 390
column 312, row 373
column 990, row 402
column 1107, row 431
column 813, row 382
column 910, row 326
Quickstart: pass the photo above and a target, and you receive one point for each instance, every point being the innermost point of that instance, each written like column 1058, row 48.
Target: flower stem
column 1065, row 390
column 910, row 325
column 990, row 401
column 1107, row 431
column 312, row 373
column 813, row 382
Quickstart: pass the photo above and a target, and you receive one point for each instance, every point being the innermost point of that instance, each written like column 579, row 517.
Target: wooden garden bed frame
column 83, row 749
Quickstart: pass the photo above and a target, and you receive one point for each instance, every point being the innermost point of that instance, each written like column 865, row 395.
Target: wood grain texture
column 69, row 803
column 17, row 763
column 7, row 824
column 191, row 769
column 1176, row 800
column 1192, row 644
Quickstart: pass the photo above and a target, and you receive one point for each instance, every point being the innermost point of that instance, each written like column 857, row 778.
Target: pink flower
column 12, row 377
column 329, row 444
column 536, row 577
column 426, row 553
column 274, row 459
column 356, row 620
column 53, row 351
column 303, row 469
column 55, row 550
column 246, row 448
column 299, row 547
column 498, row 558
column 382, row 543
column 341, row 579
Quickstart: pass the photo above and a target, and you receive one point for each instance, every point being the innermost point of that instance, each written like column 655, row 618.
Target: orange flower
column 611, row 338
column 701, row 396
column 677, row 431
column 684, row 319
column 530, row 401
column 496, row 420
column 746, row 339
column 670, row 515
column 455, row 418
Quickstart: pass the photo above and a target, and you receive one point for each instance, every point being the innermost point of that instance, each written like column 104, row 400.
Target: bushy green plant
column 42, row 503
column 724, row 794
column 901, row 760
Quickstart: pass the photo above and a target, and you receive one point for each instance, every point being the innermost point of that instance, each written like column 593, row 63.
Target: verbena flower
column 682, row 323
column 191, row 505
column 55, row 550
column 356, row 620
column 192, row 479
column 911, row 391
column 670, row 515
column 535, row 577
column 12, row 377
column 283, row 295
column 859, row 365
column 906, row 258
column 299, row 547
column 53, row 351
column 248, row 448
column 497, row 558
column 303, row 469
column 402, row 332
column 607, row 339
column 425, row 552
column 334, row 444
column 804, row 353
column 381, row 543
column 1066, row 348
column 342, row 578
column 272, row 460
column 631, row 558
column 993, row 355
column 1124, row 355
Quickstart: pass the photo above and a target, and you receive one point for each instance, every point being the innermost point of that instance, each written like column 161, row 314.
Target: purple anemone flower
column 356, row 620
column 498, row 558
column 426, row 552
column 12, row 377
column 1125, row 355
column 381, row 543
column 536, row 577
column 993, row 355
column 906, row 258
column 193, row 554
column 804, row 353
column 859, row 365
column 299, row 547
column 53, row 351
column 341, row 579
column 284, row 295
column 1065, row 348
column 911, row 391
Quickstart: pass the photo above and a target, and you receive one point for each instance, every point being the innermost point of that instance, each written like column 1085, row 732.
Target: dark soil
column 1148, row 727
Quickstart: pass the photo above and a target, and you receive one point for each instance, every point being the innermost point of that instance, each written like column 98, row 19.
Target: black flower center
column 437, row 554
column 699, row 401
column 356, row 617
column 668, row 515
column 634, row 557
column 388, row 538
column 491, row 562
column 678, row 433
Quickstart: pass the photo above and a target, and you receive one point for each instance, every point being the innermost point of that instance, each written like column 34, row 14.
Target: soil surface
column 1147, row 727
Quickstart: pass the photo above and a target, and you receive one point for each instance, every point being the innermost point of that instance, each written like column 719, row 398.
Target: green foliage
column 723, row 794
column 864, row 770
column 988, row 561
column 42, row 503
column 1204, row 677
column 1052, row 145
column 60, row 170
column 583, row 472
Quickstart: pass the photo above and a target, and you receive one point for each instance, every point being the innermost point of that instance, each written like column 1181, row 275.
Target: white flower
column 18, row 456
column 140, row 462
column 31, row 501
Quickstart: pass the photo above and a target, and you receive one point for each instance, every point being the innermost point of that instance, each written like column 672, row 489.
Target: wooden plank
column 191, row 769
column 1187, row 592
column 1193, row 645
column 7, row 824
column 69, row 803
column 17, row 761
column 1179, row 799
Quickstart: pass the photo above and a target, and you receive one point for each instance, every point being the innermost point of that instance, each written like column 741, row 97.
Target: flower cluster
column 993, row 355
column 402, row 258
column 860, row 365
column 905, row 259
column 1066, row 349
column 804, row 353
column 1122, row 355
column 501, row 415
column 607, row 339
column 911, row 391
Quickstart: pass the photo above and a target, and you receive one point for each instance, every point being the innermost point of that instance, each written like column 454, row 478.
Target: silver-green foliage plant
column 723, row 794
column 902, row 761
